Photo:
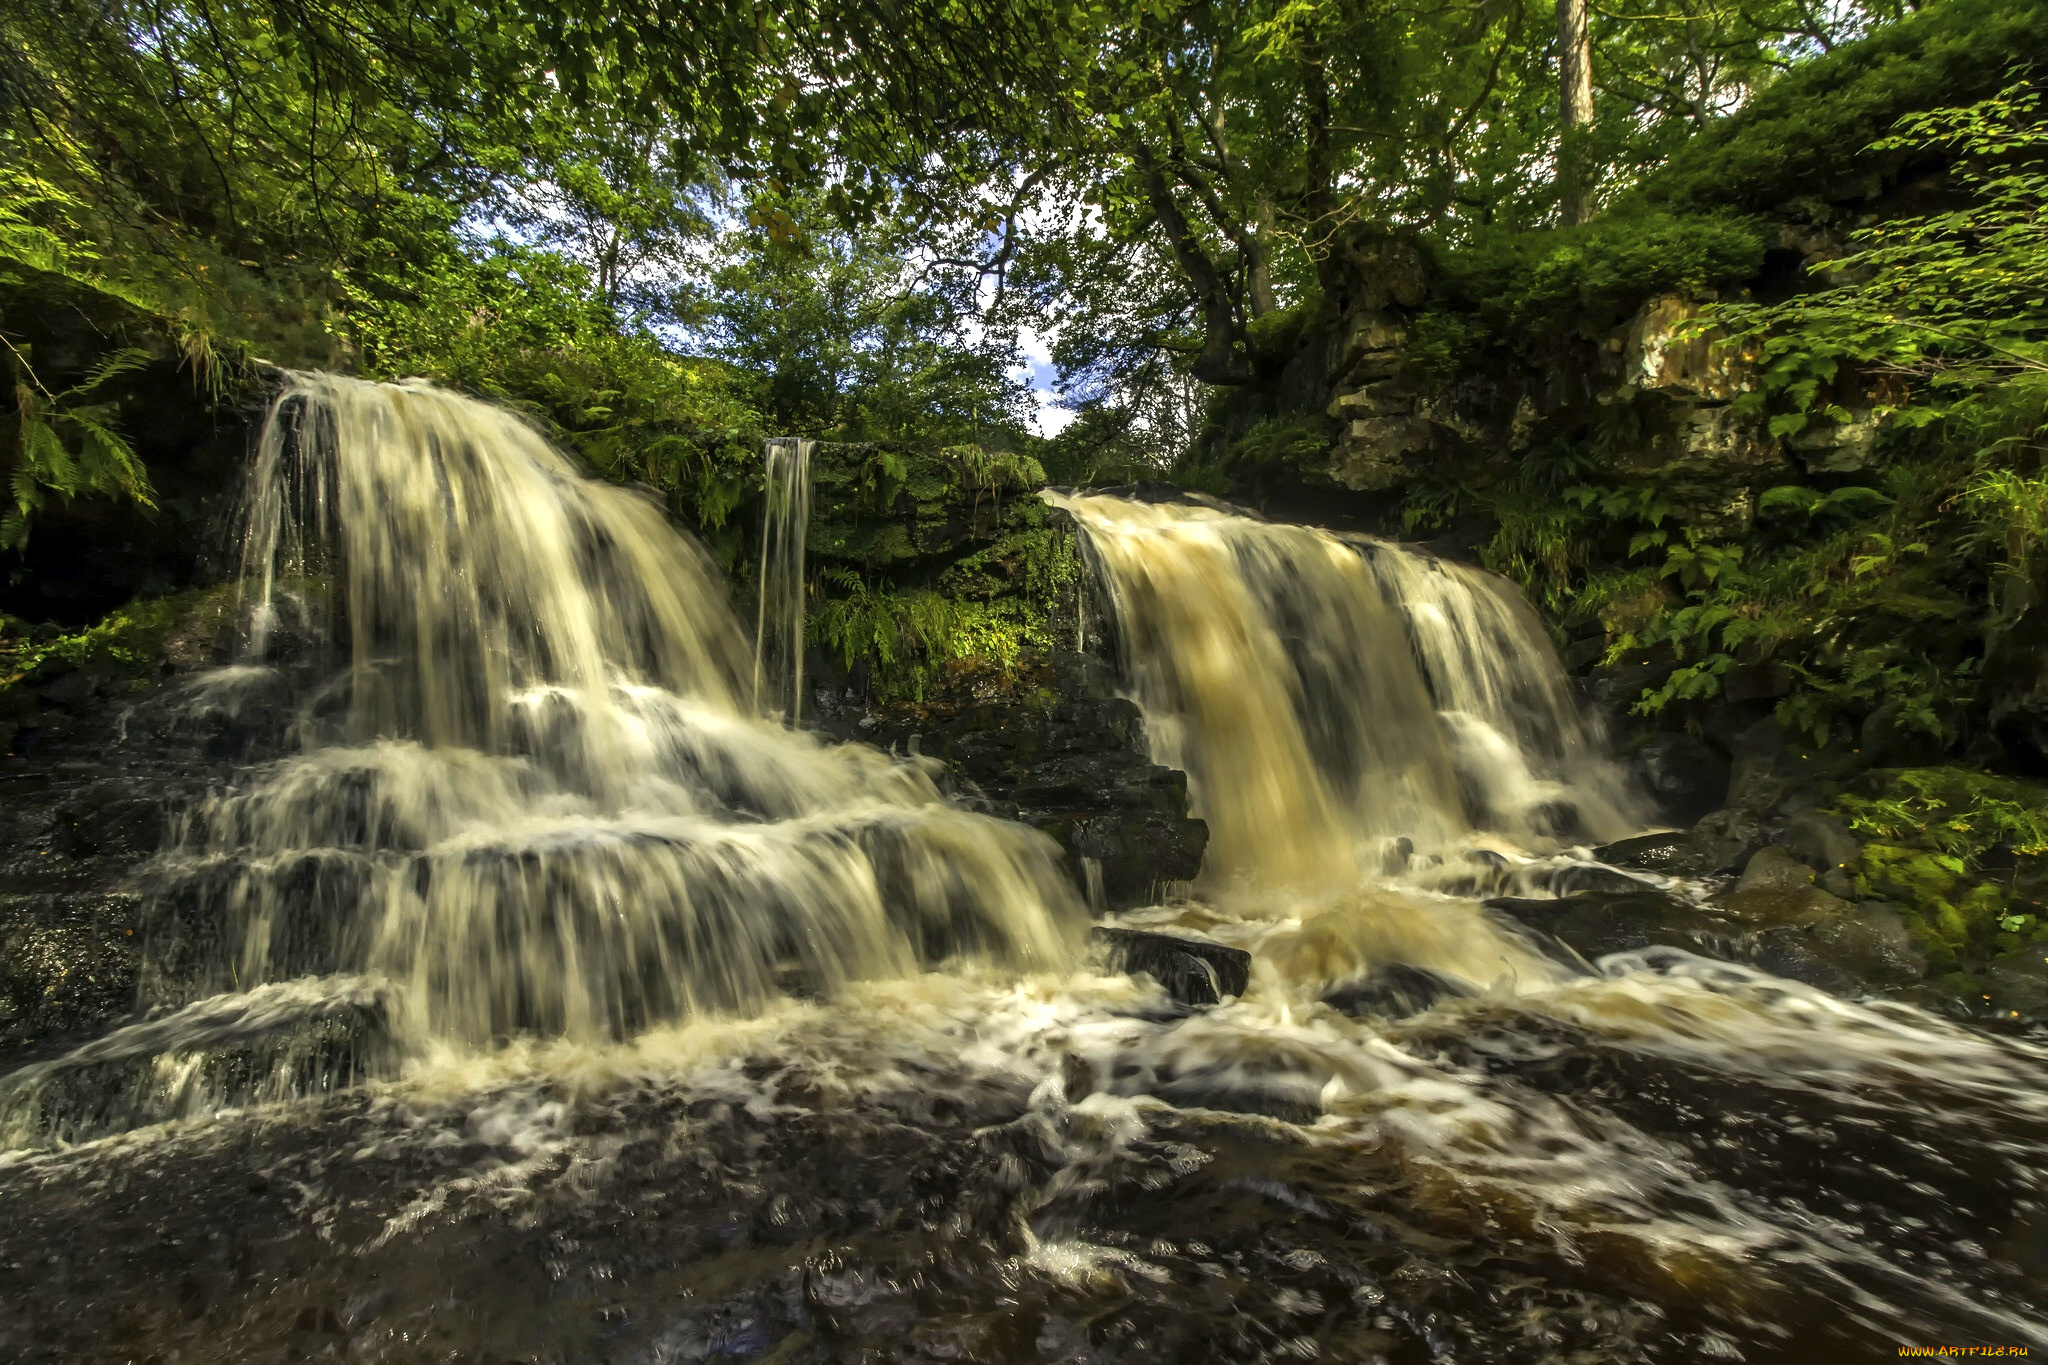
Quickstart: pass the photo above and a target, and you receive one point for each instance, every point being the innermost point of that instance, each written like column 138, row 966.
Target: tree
column 848, row 339
column 1575, row 102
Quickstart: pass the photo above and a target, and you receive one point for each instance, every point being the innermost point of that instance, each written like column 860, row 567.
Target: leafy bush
column 1528, row 286
column 911, row 640
column 1933, row 831
column 1802, row 133
column 129, row 642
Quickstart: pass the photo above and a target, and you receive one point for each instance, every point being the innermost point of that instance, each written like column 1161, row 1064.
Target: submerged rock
column 1071, row 762
column 1800, row 931
column 1193, row 971
column 1598, row 923
column 1394, row 990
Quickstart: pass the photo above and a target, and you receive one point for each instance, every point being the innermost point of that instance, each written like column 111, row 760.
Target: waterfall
column 538, row 797
column 534, row 863
column 779, row 633
column 1334, row 699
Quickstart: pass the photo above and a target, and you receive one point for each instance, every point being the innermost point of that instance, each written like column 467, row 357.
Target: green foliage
column 1802, row 132
column 1280, row 443
column 1958, row 813
column 912, row 640
column 840, row 338
column 1932, row 831
column 1593, row 276
column 128, row 642
column 1956, row 302
column 1864, row 595
column 65, row 442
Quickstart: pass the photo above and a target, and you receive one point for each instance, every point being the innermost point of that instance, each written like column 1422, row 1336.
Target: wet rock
column 1721, row 843
column 1774, row 905
column 2018, row 988
column 1596, row 924
column 1774, row 869
column 1193, row 971
column 1757, row 780
column 1071, row 762
column 1802, row 934
column 1873, row 944
column 68, row 960
column 1393, row 990
column 73, row 690
column 1820, row 840
column 1584, row 877
column 1685, row 775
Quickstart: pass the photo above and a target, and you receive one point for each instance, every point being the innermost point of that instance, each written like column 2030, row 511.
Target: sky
column 1037, row 371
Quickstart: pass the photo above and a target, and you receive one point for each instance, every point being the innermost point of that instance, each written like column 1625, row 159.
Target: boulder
column 1194, row 971
column 1595, row 924
column 1393, row 990
column 1374, row 452
column 1657, row 359
column 1722, row 842
column 1685, row 775
column 1838, row 447
column 1820, row 840
column 1873, row 943
column 1774, row 869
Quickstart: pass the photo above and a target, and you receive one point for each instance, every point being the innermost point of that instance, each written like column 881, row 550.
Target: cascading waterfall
column 540, row 800
column 633, row 978
column 1332, row 695
column 779, row 633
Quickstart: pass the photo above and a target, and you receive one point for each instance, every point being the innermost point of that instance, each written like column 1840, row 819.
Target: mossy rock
column 133, row 643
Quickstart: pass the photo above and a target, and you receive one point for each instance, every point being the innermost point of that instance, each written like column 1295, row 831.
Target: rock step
column 1194, row 971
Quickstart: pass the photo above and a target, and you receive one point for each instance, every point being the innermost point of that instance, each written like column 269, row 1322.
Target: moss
column 1526, row 287
column 1964, row 853
column 132, row 642
column 1806, row 133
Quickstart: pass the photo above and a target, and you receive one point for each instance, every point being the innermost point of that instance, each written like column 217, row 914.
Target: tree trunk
column 1219, row 361
column 1575, row 87
column 1258, row 260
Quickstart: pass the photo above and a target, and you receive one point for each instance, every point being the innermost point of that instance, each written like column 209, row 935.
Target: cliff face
column 952, row 618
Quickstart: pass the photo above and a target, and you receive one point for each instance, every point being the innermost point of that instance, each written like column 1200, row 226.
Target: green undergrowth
column 935, row 569
column 1525, row 288
column 1801, row 135
column 1964, row 853
column 1867, row 544
column 131, row 643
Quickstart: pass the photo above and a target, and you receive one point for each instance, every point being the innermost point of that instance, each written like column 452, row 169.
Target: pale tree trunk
column 1258, row 257
column 1575, row 86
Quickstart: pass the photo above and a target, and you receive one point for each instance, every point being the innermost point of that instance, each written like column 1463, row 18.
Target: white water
column 1332, row 696
column 551, row 805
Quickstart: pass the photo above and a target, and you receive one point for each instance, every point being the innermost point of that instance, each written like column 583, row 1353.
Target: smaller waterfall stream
column 1337, row 701
column 779, row 631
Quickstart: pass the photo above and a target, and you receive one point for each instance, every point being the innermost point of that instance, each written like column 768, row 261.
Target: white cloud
column 1050, row 419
